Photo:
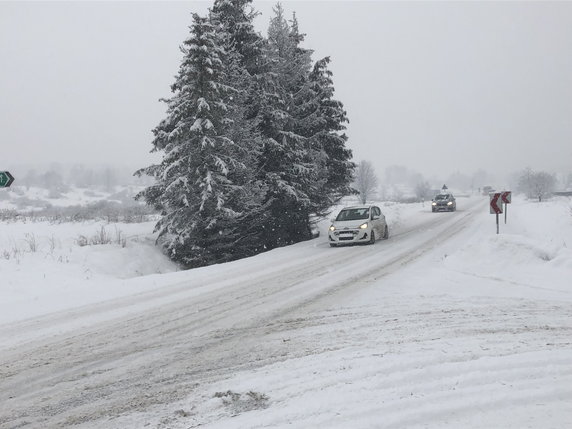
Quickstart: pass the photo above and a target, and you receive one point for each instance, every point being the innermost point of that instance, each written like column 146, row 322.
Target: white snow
column 44, row 269
column 446, row 324
column 73, row 196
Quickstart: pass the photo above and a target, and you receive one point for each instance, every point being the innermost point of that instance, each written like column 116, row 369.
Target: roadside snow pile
column 47, row 267
column 550, row 222
column 532, row 248
column 530, row 259
column 120, row 250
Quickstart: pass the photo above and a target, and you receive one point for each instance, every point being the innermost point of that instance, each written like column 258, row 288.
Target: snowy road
column 128, row 362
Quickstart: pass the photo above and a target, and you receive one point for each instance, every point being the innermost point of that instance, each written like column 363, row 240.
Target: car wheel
column 372, row 239
column 386, row 233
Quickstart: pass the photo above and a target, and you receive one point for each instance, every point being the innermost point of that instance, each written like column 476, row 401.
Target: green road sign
column 6, row 179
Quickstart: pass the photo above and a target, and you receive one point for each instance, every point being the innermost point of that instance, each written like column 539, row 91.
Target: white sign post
column 506, row 198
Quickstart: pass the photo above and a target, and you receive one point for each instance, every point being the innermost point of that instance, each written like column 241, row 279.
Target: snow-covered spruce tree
column 287, row 165
column 236, row 17
column 245, row 61
column 200, row 181
column 325, row 126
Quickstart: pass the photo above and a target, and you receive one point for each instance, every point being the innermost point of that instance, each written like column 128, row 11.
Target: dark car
column 444, row 203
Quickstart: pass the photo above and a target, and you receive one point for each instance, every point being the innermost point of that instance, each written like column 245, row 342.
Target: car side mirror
column 375, row 217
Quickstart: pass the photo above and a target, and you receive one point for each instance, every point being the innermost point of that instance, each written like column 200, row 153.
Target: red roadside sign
column 506, row 197
column 496, row 206
column 496, row 203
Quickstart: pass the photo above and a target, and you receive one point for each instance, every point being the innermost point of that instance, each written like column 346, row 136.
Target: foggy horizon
column 435, row 87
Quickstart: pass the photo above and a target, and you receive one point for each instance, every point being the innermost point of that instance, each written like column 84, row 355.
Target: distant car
column 358, row 224
column 487, row 190
column 444, row 202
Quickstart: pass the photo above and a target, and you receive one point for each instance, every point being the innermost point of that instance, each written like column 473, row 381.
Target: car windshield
column 441, row 197
column 353, row 214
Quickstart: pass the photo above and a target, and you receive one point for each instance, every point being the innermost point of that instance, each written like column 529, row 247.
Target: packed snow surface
column 446, row 324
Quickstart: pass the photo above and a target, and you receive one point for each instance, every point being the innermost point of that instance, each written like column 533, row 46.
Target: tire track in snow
column 409, row 376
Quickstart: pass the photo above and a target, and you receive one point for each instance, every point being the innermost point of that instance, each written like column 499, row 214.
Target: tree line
column 60, row 178
column 253, row 144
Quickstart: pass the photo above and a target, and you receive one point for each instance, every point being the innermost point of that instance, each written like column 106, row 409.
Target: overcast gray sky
column 434, row 86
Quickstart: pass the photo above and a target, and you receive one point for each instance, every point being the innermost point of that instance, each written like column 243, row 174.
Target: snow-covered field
column 446, row 324
column 33, row 198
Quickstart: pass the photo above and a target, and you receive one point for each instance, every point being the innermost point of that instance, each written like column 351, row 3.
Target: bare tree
column 366, row 180
column 536, row 184
column 525, row 181
column 543, row 184
column 422, row 190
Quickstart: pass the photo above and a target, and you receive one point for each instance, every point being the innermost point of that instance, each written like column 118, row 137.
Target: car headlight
column 332, row 228
column 450, row 203
column 433, row 204
column 363, row 225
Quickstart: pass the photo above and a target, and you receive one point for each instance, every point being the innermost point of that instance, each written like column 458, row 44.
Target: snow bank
column 532, row 249
column 49, row 267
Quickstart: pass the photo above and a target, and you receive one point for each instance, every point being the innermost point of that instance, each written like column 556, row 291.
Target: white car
column 359, row 224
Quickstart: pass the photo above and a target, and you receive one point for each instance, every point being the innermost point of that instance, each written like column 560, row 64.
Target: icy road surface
column 410, row 332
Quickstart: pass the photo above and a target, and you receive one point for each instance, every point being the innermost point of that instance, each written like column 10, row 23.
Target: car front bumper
column 442, row 208
column 349, row 236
